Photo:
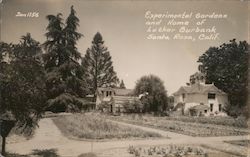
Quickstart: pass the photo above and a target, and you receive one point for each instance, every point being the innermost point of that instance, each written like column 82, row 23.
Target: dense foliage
column 134, row 106
column 22, row 87
column 156, row 100
column 227, row 67
column 64, row 82
column 98, row 67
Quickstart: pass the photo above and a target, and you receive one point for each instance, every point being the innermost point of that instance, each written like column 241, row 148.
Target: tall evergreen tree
column 97, row 65
column 5, row 49
column 122, row 85
column 65, row 86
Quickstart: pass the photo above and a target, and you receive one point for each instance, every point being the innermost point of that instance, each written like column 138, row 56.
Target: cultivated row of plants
column 167, row 151
column 89, row 126
column 187, row 128
column 240, row 122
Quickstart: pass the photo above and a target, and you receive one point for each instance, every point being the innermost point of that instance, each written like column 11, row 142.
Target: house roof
column 123, row 91
column 199, row 88
column 198, row 74
column 118, row 91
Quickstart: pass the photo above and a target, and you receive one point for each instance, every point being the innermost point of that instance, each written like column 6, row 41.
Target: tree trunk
column 3, row 145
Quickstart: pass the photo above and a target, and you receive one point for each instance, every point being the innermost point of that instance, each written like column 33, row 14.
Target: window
column 211, row 107
column 211, row 96
column 205, row 111
column 220, row 107
column 107, row 93
column 183, row 96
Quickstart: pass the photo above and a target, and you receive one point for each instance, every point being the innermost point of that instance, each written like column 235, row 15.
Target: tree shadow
column 36, row 152
column 45, row 153
column 14, row 155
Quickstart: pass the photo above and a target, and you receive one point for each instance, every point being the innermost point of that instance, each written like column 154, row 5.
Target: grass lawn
column 92, row 126
column 184, row 127
column 244, row 143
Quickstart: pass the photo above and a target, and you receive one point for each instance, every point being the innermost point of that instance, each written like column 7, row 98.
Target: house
column 199, row 98
column 114, row 99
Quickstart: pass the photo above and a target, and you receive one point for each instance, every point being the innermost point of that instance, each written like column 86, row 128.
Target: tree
column 156, row 100
column 5, row 49
column 97, row 66
column 226, row 66
column 22, row 89
column 122, row 85
column 64, row 78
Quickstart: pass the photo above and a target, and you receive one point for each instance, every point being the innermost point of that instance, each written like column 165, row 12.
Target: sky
column 122, row 25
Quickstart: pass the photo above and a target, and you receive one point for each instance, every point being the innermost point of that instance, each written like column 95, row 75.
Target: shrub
column 134, row 106
column 86, row 126
column 156, row 100
column 233, row 111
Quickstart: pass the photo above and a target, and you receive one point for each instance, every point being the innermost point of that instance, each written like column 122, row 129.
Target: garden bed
column 240, row 122
column 183, row 127
column 85, row 126
column 164, row 151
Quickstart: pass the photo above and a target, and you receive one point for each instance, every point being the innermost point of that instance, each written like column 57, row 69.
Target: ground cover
column 165, row 151
column 92, row 126
column 218, row 120
column 184, row 127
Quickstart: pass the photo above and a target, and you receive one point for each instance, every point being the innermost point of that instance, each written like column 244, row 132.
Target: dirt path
column 48, row 136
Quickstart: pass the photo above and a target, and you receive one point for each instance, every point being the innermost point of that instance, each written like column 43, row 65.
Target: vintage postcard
column 124, row 78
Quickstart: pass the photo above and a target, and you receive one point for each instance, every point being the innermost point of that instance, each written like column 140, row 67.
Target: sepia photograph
column 124, row 78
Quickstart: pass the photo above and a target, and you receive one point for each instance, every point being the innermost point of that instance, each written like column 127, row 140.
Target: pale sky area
column 122, row 25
